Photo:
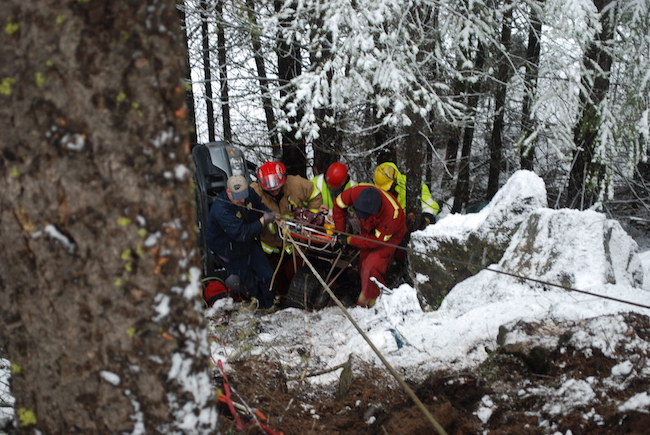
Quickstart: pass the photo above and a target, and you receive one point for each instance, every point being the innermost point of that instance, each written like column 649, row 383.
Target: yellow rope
column 439, row 429
column 284, row 244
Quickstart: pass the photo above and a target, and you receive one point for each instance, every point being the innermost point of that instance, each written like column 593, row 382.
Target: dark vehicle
column 214, row 163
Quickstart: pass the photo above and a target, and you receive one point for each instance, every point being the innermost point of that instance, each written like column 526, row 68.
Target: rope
column 227, row 399
column 277, row 267
column 439, row 429
column 464, row 263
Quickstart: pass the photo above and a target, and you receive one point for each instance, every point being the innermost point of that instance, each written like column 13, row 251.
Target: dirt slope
column 513, row 392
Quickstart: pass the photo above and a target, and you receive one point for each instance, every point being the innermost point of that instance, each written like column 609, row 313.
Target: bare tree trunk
column 587, row 171
column 97, row 313
column 223, row 72
column 267, row 103
column 412, row 157
column 503, row 75
column 451, row 157
column 207, row 70
column 461, row 193
column 527, row 150
column 326, row 146
column 289, row 67
column 454, row 135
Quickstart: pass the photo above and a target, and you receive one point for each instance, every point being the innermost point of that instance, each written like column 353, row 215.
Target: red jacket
column 388, row 225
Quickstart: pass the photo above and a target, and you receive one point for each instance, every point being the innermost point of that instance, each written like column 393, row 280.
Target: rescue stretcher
column 337, row 266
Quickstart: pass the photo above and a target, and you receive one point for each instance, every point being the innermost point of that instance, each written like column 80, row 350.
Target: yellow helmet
column 385, row 176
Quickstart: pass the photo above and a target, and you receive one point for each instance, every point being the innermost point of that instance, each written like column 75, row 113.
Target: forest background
column 99, row 314
column 458, row 94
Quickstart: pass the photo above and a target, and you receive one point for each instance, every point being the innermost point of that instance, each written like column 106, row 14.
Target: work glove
column 429, row 219
column 268, row 217
column 342, row 239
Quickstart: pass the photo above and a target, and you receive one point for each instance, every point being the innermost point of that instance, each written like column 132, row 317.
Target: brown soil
column 375, row 404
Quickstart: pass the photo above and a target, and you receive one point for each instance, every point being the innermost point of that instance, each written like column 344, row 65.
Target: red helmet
column 272, row 175
column 336, row 175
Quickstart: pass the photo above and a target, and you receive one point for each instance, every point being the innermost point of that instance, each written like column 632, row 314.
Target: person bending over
column 235, row 222
column 383, row 225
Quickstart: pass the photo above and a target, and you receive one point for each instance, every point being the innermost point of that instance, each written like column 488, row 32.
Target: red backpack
column 217, row 289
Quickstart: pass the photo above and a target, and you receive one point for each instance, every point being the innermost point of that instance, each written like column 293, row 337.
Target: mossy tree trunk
column 99, row 307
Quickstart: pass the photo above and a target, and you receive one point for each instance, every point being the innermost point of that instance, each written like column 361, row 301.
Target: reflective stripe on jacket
column 428, row 204
column 296, row 192
column 387, row 225
column 327, row 193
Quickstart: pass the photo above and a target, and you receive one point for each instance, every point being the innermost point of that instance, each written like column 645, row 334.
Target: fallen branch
column 318, row 373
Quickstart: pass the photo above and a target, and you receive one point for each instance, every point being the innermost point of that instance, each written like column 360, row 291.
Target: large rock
column 444, row 254
column 575, row 249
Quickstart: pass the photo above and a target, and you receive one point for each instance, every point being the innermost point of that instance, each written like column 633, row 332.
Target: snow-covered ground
column 455, row 336
column 5, row 397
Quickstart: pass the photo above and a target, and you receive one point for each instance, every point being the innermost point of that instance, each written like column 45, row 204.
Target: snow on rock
column 444, row 254
column 573, row 249
column 569, row 248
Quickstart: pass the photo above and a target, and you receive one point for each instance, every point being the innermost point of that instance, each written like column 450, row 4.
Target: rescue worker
column 388, row 178
column 283, row 194
column 383, row 225
column 335, row 180
column 235, row 223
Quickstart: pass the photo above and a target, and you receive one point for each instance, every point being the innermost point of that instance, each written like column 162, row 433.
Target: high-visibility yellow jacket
column 399, row 186
column 328, row 194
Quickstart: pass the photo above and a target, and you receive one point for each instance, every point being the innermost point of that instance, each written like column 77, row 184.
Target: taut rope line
column 476, row 266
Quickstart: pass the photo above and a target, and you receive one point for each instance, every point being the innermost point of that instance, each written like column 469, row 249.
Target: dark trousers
column 256, row 272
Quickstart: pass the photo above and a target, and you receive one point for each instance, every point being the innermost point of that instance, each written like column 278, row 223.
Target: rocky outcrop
column 601, row 251
column 457, row 247
column 519, row 236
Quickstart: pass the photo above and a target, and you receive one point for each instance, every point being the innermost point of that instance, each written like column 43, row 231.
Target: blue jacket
column 232, row 230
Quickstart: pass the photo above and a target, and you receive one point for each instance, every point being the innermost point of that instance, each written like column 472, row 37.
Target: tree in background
column 327, row 145
column 222, row 57
column 469, row 59
column 100, row 307
column 189, row 93
column 587, row 176
column 264, row 81
column 206, row 11
column 382, row 61
column 504, row 73
column 289, row 67
column 526, row 143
